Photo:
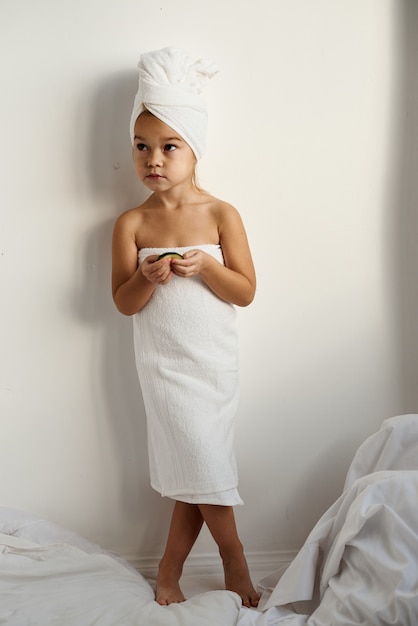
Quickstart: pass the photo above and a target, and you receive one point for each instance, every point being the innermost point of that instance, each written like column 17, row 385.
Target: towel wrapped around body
column 187, row 361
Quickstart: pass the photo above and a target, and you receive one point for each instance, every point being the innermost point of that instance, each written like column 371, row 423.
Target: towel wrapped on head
column 170, row 84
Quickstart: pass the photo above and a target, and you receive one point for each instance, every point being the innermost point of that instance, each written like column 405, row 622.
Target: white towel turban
column 169, row 87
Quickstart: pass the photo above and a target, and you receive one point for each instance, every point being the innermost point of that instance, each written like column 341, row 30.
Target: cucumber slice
column 172, row 255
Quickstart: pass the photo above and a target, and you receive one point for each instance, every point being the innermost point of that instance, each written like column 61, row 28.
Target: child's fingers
column 189, row 254
column 157, row 271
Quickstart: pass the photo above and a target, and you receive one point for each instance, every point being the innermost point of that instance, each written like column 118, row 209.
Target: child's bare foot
column 168, row 589
column 237, row 578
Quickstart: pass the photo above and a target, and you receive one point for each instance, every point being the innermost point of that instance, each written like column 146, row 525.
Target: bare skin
column 186, row 523
column 185, row 526
column 178, row 214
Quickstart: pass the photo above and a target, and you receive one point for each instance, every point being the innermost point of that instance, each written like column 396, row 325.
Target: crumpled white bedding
column 51, row 576
column 359, row 565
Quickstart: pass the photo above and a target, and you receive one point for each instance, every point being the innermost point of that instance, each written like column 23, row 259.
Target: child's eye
column 141, row 147
column 169, row 147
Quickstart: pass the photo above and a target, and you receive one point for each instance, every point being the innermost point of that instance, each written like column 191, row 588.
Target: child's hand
column 192, row 263
column 156, row 271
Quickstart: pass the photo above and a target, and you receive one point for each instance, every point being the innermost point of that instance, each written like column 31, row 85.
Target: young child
column 184, row 318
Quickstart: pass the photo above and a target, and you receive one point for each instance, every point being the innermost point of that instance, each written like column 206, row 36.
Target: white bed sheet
column 52, row 576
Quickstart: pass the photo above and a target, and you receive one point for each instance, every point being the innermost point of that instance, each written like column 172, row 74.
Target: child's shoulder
column 225, row 214
column 220, row 206
column 131, row 216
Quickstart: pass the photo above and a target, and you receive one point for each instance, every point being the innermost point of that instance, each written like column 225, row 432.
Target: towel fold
column 170, row 84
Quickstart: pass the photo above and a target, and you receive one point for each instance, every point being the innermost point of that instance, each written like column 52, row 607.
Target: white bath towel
column 170, row 84
column 187, row 361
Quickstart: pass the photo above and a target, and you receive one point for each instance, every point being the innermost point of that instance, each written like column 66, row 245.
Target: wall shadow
column 107, row 174
column 408, row 226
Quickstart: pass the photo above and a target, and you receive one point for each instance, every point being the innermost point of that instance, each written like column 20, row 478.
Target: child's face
column 162, row 158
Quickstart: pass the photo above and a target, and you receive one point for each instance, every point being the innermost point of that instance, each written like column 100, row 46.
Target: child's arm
column 235, row 282
column 133, row 285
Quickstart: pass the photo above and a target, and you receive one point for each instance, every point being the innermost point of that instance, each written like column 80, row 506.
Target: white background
column 313, row 136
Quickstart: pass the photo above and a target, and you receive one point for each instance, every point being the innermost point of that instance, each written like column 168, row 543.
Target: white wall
column 308, row 139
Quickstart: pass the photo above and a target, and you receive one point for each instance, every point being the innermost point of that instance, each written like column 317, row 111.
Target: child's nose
column 154, row 158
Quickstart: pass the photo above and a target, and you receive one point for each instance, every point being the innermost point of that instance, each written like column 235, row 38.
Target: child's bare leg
column 221, row 523
column 186, row 523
